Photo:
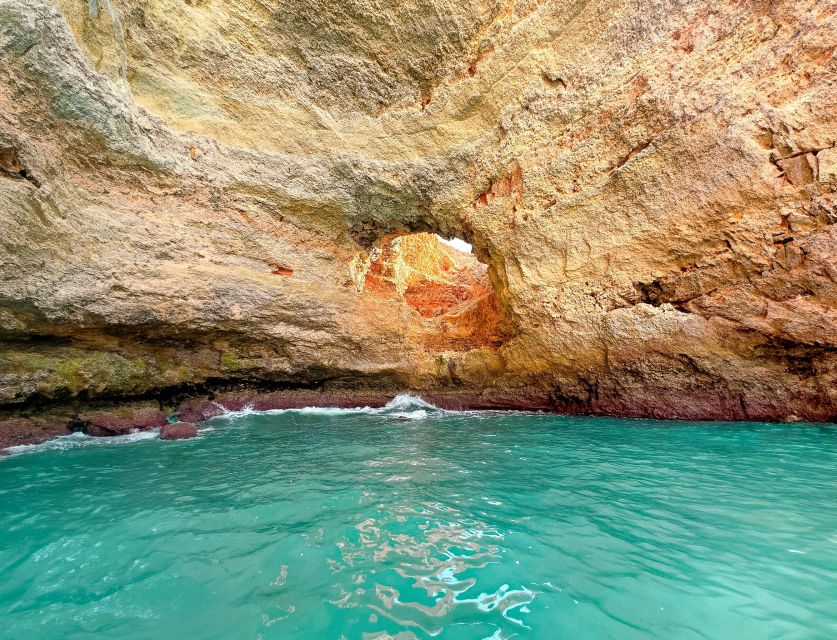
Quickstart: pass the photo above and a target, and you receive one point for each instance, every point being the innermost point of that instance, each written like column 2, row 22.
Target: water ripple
column 453, row 525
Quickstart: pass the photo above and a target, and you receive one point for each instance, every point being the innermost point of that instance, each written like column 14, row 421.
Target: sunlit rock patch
column 447, row 290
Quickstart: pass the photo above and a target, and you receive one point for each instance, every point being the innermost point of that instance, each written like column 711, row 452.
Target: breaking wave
column 79, row 439
column 404, row 406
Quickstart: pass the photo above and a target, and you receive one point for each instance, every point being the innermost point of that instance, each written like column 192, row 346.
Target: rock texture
column 178, row 431
column 24, row 430
column 197, row 194
column 122, row 420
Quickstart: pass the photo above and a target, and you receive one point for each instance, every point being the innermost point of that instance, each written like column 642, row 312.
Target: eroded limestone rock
column 651, row 188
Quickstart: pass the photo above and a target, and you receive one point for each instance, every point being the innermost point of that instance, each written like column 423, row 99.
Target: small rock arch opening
column 442, row 285
column 456, row 243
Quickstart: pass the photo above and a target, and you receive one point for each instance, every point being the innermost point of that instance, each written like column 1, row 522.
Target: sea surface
column 409, row 522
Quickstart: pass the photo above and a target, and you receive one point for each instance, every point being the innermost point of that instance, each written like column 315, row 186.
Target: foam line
column 404, row 405
column 79, row 439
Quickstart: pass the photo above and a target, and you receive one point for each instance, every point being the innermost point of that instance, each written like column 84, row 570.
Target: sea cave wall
column 201, row 195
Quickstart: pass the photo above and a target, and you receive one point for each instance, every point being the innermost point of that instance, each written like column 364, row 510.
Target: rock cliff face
column 196, row 194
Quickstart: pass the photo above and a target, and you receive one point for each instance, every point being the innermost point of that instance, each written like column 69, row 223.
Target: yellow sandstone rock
column 210, row 192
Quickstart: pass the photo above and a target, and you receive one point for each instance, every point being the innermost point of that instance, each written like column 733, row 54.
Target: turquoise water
column 411, row 523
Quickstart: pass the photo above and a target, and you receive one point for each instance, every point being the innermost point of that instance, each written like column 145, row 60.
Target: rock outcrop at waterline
column 178, row 431
column 198, row 194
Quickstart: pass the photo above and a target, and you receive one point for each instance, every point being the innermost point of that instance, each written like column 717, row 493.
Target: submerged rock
column 178, row 431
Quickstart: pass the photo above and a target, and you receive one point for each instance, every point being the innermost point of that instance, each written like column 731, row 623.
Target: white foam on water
column 405, row 401
column 403, row 406
column 79, row 439
column 230, row 414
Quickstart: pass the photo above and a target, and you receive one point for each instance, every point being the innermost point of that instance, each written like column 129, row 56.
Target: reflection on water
column 435, row 552
column 410, row 523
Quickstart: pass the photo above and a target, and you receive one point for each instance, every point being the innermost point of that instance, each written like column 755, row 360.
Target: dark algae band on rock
column 207, row 195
